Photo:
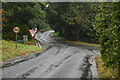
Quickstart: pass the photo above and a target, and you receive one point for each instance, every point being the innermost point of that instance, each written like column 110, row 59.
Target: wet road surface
column 59, row 60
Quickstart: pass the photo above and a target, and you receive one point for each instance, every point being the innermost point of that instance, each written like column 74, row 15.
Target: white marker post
column 16, row 30
column 25, row 38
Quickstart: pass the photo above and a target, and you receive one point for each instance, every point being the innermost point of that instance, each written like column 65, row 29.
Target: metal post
column 16, row 40
column 25, row 39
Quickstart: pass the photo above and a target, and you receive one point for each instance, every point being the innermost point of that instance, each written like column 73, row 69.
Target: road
column 59, row 60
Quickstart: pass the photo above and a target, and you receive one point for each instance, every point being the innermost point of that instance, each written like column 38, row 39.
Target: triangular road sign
column 33, row 32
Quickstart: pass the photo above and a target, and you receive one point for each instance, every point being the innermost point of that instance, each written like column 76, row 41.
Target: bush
column 107, row 24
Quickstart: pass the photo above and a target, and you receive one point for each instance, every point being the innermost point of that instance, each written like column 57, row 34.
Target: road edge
column 22, row 58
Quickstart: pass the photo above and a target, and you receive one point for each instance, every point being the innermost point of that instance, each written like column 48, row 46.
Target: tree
column 73, row 20
column 21, row 15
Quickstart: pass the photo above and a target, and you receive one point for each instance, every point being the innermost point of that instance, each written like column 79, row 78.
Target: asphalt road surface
column 59, row 60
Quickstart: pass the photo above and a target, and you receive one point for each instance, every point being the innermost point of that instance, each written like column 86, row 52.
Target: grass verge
column 82, row 43
column 9, row 51
column 0, row 49
column 32, row 42
column 105, row 72
column 56, row 36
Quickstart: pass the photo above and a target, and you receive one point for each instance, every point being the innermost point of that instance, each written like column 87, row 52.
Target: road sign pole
column 16, row 40
column 16, row 30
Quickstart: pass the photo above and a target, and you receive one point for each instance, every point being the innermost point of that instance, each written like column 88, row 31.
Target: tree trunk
column 77, row 33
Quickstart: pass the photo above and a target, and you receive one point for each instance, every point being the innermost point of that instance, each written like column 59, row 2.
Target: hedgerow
column 107, row 24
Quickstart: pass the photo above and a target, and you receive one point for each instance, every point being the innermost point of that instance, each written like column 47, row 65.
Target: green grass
column 0, row 50
column 32, row 42
column 9, row 50
column 56, row 35
column 48, row 29
column 82, row 43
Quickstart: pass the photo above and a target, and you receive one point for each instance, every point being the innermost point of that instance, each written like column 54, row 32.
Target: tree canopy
column 24, row 15
column 73, row 20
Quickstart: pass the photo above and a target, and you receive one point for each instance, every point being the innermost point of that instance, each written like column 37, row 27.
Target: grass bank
column 32, row 42
column 56, row 36
column 9, row 51
column 82, row 43
column 106, row 72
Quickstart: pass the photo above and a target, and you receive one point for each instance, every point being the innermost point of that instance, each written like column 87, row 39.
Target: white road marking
column 38, row 44
column 67, row 50
column 44, row 39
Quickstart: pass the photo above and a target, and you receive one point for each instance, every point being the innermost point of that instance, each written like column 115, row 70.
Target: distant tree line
column 73, row 21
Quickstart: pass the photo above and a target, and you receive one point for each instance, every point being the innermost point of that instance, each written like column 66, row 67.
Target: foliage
column 73, row 20
column 47, row 28
column 24, row 15
column 107, row 24
column 56, row 35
